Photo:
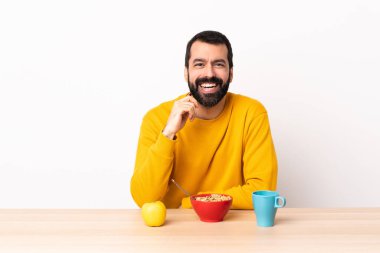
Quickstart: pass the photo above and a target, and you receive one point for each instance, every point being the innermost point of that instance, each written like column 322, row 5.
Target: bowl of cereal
column 211, row 207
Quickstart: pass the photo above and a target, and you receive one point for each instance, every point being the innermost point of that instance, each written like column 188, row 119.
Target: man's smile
column 209, row 87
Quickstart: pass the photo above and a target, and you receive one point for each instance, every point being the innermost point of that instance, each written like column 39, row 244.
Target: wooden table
column 296, row 230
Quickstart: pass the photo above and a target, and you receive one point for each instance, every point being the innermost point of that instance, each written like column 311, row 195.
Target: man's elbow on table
column 141, row 195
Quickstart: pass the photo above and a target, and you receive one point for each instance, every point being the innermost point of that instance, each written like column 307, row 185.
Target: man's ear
column 231, row 74
column 186, row 74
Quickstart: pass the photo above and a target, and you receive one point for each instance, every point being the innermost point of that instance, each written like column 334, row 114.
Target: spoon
column 179, row 187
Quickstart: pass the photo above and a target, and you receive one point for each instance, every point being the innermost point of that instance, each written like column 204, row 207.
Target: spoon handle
column 179, row 187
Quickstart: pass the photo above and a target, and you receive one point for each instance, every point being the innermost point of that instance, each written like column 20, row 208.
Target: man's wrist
column 168, row 134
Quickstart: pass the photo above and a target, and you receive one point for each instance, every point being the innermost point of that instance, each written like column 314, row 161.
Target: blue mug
column 265, row 204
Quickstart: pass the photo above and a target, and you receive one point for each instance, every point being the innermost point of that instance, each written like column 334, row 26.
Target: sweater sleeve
column 154, row 162
column 259, row 164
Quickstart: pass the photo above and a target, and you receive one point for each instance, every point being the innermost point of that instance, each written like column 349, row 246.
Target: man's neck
column 211, row 113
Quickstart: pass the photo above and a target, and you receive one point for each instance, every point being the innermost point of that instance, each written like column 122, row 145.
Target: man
column 208, row 140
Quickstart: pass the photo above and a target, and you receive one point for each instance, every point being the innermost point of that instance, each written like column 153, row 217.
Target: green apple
column 154, row 213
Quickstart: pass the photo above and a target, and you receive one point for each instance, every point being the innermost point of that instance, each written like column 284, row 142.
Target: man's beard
column 209, row 99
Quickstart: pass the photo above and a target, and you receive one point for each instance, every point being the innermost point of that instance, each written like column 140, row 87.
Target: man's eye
column 198, row 64
column 220, row 65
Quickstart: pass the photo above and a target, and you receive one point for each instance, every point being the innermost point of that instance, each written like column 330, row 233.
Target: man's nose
column 209, row 71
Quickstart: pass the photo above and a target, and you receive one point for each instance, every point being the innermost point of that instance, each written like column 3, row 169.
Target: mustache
column 214, row 79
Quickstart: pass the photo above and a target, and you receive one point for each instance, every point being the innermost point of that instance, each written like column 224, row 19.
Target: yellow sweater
column 232, row 154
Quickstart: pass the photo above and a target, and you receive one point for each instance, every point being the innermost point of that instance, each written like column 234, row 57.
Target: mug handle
column 283, row 202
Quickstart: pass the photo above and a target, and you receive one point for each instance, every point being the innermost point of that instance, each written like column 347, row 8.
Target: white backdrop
column 76, row 78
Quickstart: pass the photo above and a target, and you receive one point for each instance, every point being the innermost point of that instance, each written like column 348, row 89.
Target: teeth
column 208, row 85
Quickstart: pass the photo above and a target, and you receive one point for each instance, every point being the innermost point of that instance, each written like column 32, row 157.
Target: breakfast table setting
column 211, row 226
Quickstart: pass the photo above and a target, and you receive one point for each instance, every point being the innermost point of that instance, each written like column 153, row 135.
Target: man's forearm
column 152, row 171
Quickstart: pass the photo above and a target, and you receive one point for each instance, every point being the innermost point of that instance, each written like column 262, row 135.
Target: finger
column 194, row 101
column 193, row 113
column 188, row 104
column 190, row 110
column 190, row 107
column 185, row 99
column 189, row 98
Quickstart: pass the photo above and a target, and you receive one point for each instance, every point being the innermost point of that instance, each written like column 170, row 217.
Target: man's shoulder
column 245, row 103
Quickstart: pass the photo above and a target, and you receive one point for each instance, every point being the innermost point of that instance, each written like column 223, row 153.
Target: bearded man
column 209, row 140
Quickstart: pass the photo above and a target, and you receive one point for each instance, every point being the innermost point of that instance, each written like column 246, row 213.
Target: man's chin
column 208, row 100
column 208, row 95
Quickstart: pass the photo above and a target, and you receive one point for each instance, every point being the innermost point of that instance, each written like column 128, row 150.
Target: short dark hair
column 211, row 37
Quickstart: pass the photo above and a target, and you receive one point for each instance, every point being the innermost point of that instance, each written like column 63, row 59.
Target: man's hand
column 182, row 110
